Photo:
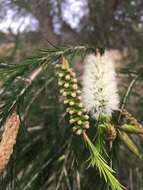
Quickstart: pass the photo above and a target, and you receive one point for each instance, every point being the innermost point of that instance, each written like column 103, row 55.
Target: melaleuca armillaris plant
column 94, row 114
column 79, row 119
column 100, row 94
column 101, row 99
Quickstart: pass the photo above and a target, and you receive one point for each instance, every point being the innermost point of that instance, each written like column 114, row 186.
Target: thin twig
column 78, row 180
column 127, row 95
column 67, row 179
column 31, row 78
column 35, row 97
column 64, row 163
column 131, row 179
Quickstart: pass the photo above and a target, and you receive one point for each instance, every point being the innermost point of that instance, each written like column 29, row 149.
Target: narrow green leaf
column 106, row 171
column 129, row 143
column 129, row 128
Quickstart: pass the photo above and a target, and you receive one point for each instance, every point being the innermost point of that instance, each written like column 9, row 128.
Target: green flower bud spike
column 69, row 89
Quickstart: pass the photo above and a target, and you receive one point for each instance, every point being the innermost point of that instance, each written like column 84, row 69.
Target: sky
column 72, row 12
column 28, row 23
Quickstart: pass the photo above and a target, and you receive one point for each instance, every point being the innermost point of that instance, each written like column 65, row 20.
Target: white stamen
column 99, row 91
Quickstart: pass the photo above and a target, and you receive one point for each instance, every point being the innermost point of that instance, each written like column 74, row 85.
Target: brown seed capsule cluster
column 69, row 89
column 8, row 139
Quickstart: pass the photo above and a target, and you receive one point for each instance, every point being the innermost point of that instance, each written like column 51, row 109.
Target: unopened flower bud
column 84, row 110
column 60, row 83
column 66, row 101
column 79, row 113
column 86, row 125
column 66, row 85
column 74, row 129
column 75, row 87
column 79, row 132
column 67, row 77
column 68, row 109
column 73, row 74
column 71, row 112
column 71, row 103
column 64, row 94
column 61, row 91
column 71, row 121
column 74, row 80
column 60, row 75
column 73, row 94
column 78, row 91
column 80, row 105
column 79, row 97
column 79, row 122
column 86, row 117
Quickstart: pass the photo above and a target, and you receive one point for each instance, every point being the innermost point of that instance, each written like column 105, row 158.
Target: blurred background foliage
column 27, row 25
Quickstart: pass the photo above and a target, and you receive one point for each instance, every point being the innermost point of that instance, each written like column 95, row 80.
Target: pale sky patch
column 15, row 24
column 72, row 12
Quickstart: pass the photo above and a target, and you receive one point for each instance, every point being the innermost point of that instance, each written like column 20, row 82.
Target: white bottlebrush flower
column 99, row 91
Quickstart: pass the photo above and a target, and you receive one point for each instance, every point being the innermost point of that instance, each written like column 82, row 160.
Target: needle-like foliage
column 105, row 170
column 47, row 154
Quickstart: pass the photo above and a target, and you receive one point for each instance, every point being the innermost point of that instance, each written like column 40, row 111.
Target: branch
column 127, row 94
